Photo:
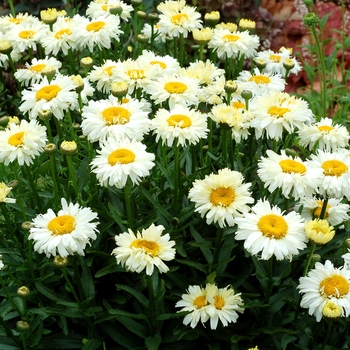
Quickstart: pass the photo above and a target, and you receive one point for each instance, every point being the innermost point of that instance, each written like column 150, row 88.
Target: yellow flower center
column 222, row 196
column 318, row 210
column 38, row 67
column 179, row 120
column 200, row 301
column 125, row 100
column 162, row 64
column 108, row 70
column 175, row 87
column 260, row 79
column 150, row 247
column 95, row 26
column 230, row 37
column 16, row 20
column 26, row 34
column 278, row 111
column 47, row 92
column 136, row 73
column 275, row 58
column 219, row 302
column 62, row 32
column 62, row 225
column 116, row 115
column 292, row 166
column 121, row 156
column 179, row 18
column 334, row 286
column 273, row 226
column 16, row 139
column 334, row 168
column 325, row 128
column 238, row 104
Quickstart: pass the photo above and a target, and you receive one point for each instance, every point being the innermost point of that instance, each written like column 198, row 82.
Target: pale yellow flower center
column 318, row 210
column 116, row 115
column 219, row 302
column 230, row 37
column 47, row 92
column 334, row 286
column 222, row 196
column 179, row 120
column 260, row 79
column 331, row 310
column 38, row 67
column 175, row 87
column 150, row 247
column 292, row 166
column 273, row 226
column 136, row 73
column 200, row 301
column 121, row 156
column 325, row 128
column 108, row 70
column 62, row 225
column 238, row 104
column 334, row 168
column 125, row 100
column 26, row 34
column 95, row 26
column 16, row 139
column 179, row 18
column 275, row 58
column 162, row 64
column 278, row 111
column 16, row 20
column 62, row 32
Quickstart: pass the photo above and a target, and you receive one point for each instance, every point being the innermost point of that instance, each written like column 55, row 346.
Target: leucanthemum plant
column 159, row 176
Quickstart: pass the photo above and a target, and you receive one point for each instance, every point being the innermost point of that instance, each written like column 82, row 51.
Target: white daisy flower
column 267, row 231
column 174, row 89
column 102, row 75
column 56, row 96
column 98, row 31
column 103, row 7
column 182, row 20
column 144, row 250
column 292, row 175
column 336, row 172
column 35, row 71
column 181, row 124
column 4, row 192
column 278, row 111
column 4, row 59
column 325, row 135
column 346, row 258
column 8, row 22
column 205, row 72
column 66, row 233
column 260, row 83
column 120, row 159
column 22, row 142
column 231, row 44
column 1, row 265
column 167, row 64
column 221, row 197
column 214, row 93
column 105, row 118
column 336, row 212
column 224, row 304
column 325, row 283
column 60, row 38
column 196, row 302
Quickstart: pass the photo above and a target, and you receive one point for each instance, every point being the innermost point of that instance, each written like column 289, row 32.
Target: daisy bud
column 142, row 38
column 347, row 243
column 116, row 10
column 136, row 3
column 45, row 115
column 86, row 62
column 259, row 62
column 27, row 225
column 119, row 88
column 319, row 231
column 78, row 82
column 60, row 261
column 247, row 94
column 246, row 24
column 76, row 126
column 4, row 121
column 13, row 120
column 129, row 48
column 315, row 258
column 231, row 86
column 212, row 18
column 153, row 17
column 22, row 326
column 202, row 36
column 49, row 72
column 283, row 48
column 331, row 310
column 232, row 27
column 23, row 291
column 50, row 148
column 5, row 47
column 288, row 64
column 68, row 148
column 141, row 14
column 49, row 16
column 311, row 20
column 13, row 184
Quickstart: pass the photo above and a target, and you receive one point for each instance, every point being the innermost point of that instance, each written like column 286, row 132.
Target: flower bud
column 23, row 291
column 141, row 14
column 45, row 115
column 78, row 82
column 136, row 3
column 60, row 261
column 50, row 148
column 49, row 16
column 13, row 184
column 311, row 20
column 116, row 10
column 153, row 17
column 202, row 36
column 119, row 88
column 246, row 24
column 259, row 62
column 331, row 310
column 212, row 18
column 288, row 64
column 247, row 94
column 86, row 62
column 231, row 86
column 27, row 225
column 5, row 47
column 22, row 326
column 4, row 121
column 347, row 243
column 315, row 258
column 142, row 38
column 68, row 148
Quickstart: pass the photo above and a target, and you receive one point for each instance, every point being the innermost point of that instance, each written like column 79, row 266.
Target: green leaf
column 8, row 344
column 138, row 295
column 153, row 342
column 54, row 296
column 93, row 344
column 164, row 317
column 119, row 312
column 203, row 245
column 86, row 280
column 113, row 268
column 196, row 265
column 59, row 341
column 156, row 204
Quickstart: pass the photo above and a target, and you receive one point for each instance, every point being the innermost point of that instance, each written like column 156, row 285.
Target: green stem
column 12, row 8
column 9, row 331
column 218, row 242
column 308, row 261
column 71, row 288
column 54, row 178
column 128, row 207
column 182, row 50
column 24, row 344
column 8, row 296
column 225, row 131
column 326, row 338
column 177, row 178
column 72, row 177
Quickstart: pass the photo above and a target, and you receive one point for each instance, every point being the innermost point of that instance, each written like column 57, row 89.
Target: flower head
column 4, row 192
column 144, row 250
column 319, row 231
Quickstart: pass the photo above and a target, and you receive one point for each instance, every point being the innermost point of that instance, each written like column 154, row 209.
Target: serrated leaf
column 137, row 294
column 194, row 264
column 153, row 342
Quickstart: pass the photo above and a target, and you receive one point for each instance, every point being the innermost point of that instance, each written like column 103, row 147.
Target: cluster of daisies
column 121, row 101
